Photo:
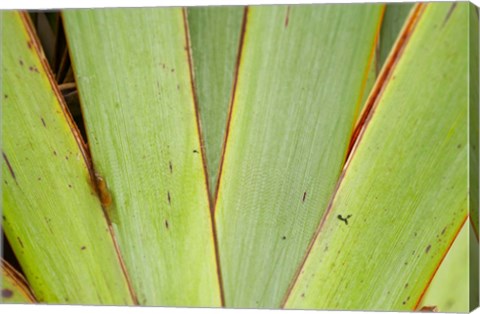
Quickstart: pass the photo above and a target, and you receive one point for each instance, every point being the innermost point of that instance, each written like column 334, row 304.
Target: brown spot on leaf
column 166, row 224
column 7, row 293
column 287, row 16
column 102, row 191
column 83, row 248
column 444, row 229
column 304, row 196
column 195, row 151
column 20, row 241
column 55, row 153
column 428, row 309
column 20, row 61
column 168, row 197
column 43, row 122
column 33, row 69
column 428, row 248
column 170, row 166
column 10, row 169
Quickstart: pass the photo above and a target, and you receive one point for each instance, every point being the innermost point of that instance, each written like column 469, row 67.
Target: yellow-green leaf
column 473, row 76
column 300, row 81
column 52, row 216
column 13, row 286
column 404, row 187
column 132, row 71
column 449, row 290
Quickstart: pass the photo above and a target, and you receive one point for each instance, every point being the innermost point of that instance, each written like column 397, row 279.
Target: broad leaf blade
column 51, row 213
column 215, row 38
column 14, row 288
column 299, row 85
column 137, row 99
column 405, row 185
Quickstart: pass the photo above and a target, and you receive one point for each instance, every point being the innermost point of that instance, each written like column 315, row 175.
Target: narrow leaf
column 215, row 39
column 136, row 94
column 14, row 288
column 370, row 79
column 473, row 63
column 395, row 16
column 449, row 289
column 299, row 85
column 52, row 216
column 404, row 187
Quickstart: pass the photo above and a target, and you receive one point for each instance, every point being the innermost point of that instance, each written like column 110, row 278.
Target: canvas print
column 314, row 156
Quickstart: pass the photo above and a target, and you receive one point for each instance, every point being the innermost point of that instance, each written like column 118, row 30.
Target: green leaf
column 473, row 270
column 370, row 80
column 393, row 21
column 13, row 286
column 215, row 39
column 404, row 186
column 52, row 216
column 473, row 75
column 449, row 289
column 136, row 94
column 299, row 86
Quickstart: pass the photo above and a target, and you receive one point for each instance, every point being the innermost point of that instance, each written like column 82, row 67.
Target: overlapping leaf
column 138, row 105
column 449, row 290
column 473, row 75
column 393, row 21
column 14, row 288
column 215, row 39
column 303, row 75
column 300, row 81
column 404, row 187
column 51, row 213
